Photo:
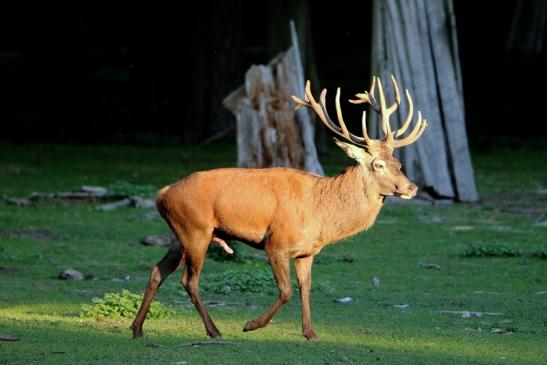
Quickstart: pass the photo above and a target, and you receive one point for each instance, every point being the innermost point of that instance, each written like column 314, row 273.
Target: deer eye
column 378, row 164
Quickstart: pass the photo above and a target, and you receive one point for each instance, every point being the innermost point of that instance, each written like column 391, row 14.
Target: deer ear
column 352, row 151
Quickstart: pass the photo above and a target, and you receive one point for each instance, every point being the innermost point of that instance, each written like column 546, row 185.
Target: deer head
column 374, row 155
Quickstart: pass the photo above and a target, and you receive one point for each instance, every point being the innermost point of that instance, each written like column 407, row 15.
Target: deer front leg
column 280, row 264
column 303, row 274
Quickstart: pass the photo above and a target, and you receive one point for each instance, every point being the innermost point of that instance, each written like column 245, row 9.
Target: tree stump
column 269, row 131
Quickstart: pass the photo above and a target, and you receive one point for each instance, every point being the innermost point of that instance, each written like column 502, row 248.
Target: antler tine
column 385, row 121
column 364, row 127
column 373, row 102
column 339, row 114
column 310, row 102
column 303, row 103
column 321, row 110
column 341, row 130
column 408, row 119
column 363, row 98
column 328, row 120
column 387, row 112
column 368, row 97
column 397, row 94
column 417, row 131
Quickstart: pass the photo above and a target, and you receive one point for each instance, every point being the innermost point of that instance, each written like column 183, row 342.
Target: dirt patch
column 520, row 204
column 525, row 210
column 35, row 234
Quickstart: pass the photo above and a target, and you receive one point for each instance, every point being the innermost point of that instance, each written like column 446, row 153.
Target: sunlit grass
column 37, row 242
column 345, row 341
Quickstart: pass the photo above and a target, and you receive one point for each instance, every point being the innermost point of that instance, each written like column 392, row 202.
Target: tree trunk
column 214, row 67
column 415, row 41
column 528, row 28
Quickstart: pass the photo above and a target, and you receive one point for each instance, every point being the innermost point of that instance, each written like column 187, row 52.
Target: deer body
column 300, row 212
column 286, row 212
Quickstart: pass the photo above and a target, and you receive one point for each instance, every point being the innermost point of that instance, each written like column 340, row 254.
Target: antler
column 385, row 113
column 321, row 110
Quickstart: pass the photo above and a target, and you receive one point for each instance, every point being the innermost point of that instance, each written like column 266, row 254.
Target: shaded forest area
column 102, row 71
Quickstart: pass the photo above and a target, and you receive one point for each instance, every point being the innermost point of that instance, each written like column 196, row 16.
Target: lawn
column 415, row 316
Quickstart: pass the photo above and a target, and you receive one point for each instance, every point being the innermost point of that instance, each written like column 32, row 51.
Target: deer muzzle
column 408, row 192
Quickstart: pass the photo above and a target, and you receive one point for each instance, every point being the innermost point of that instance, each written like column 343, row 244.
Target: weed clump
column 539, row 252
column 240, row 281
column 492, row 250
column 253, row 281
column 502, row 250
column 122, row 305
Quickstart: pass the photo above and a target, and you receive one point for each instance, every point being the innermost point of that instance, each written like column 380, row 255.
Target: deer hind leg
column 196, row 248
column 280, row 264
column 303, row 274
column 160, row 271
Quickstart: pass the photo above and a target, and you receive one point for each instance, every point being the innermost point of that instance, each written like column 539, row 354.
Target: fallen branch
column 157, row 240
column 134, row 201
column 218, row 135
column 83, row 193
column 429, row 265
column 470, row 314
column 111, row 206
column 17, row 201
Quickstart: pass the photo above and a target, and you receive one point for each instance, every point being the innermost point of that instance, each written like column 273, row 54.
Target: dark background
column 104, row 71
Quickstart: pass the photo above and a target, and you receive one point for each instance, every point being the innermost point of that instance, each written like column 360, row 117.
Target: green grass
column 37, row 242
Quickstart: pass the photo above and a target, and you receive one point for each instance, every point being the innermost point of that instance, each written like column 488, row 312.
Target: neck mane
column 346, row 204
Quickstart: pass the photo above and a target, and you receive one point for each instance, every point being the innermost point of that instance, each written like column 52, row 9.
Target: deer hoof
column 310, row 335
column 215, row 335
column 137, row 332
column 251, row 326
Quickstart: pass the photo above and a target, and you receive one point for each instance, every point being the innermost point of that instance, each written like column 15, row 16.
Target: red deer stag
column 287, row 213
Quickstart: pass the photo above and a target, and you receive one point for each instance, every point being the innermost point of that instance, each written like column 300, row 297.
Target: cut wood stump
column 269, row 131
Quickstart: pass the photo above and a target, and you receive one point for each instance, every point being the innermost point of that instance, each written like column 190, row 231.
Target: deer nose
column 412, row 189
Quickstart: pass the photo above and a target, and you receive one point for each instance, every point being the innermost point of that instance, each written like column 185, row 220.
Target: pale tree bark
column 269, row 131
column 415, row 41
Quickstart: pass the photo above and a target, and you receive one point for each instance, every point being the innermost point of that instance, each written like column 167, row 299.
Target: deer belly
column 244, row 219
column 245, row 230
column 252, row 240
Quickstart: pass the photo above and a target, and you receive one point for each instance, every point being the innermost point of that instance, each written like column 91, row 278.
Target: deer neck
column 346, row 204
